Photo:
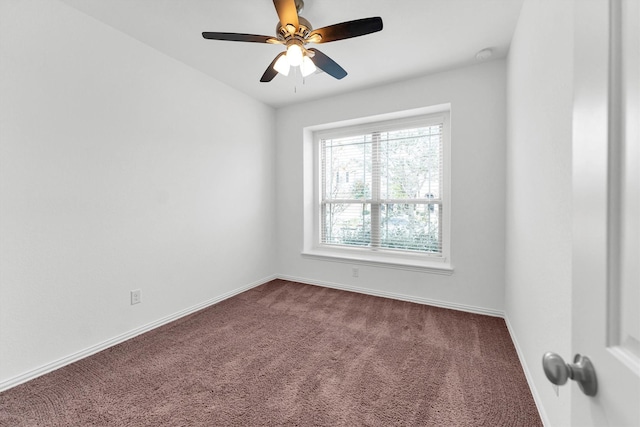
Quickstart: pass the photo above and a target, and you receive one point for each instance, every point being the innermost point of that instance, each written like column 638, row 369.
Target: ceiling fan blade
column 237, row 37
column 288, row 14
column 346, row 30
column 271, row 72
column 327, row 64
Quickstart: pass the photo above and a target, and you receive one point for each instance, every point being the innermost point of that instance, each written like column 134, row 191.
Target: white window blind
column 383, row 188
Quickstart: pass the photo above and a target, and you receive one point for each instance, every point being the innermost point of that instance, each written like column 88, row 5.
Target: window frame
column 394, row 258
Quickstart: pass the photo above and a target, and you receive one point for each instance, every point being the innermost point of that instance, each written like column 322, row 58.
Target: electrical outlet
column 136, row 297
column 355, row 272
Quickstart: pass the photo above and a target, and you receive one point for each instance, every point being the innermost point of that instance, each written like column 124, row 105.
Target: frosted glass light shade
column 294, row 55
column 307, row 67
column 282, row 65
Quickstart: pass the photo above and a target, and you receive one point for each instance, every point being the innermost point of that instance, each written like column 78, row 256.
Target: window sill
column 381, row 259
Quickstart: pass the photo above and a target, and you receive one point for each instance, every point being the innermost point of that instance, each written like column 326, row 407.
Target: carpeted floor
column 291, row 354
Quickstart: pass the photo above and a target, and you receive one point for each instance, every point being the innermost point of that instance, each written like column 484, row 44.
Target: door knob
column 581, row 370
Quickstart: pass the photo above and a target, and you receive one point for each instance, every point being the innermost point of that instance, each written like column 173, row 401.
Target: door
column 606, row 214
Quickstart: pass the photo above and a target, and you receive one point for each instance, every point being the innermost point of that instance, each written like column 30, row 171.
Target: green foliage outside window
column 395, row 177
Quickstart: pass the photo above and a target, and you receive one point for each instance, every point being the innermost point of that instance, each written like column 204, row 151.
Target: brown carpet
column 291, row 354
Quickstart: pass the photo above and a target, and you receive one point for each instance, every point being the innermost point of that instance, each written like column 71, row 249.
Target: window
column 381, row 191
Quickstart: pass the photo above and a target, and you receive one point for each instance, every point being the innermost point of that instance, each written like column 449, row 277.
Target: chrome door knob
column 581, row 370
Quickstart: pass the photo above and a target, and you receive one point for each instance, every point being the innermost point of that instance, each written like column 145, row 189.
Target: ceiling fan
column 294, row 32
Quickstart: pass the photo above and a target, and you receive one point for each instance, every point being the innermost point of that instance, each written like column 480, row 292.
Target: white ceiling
column 419, row 37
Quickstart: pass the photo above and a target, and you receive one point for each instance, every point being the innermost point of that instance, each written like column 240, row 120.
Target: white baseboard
column 401, row 297
column 527, row 374
column 74, row 357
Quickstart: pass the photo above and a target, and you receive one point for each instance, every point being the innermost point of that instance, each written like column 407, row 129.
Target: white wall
column 117, row 162
column 121, row 169
column 538, row 263
column 477, row 97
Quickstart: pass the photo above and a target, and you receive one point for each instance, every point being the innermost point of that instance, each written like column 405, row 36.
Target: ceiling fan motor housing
column 304, row 28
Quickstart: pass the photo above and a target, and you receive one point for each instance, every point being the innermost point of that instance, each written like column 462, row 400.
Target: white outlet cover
column 135, row 297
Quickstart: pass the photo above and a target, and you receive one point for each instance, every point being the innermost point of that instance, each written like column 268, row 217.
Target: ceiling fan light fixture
column 307, row 67
column 294, row 54
column 314, row 38
column 291, row 28
column 282, row 65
